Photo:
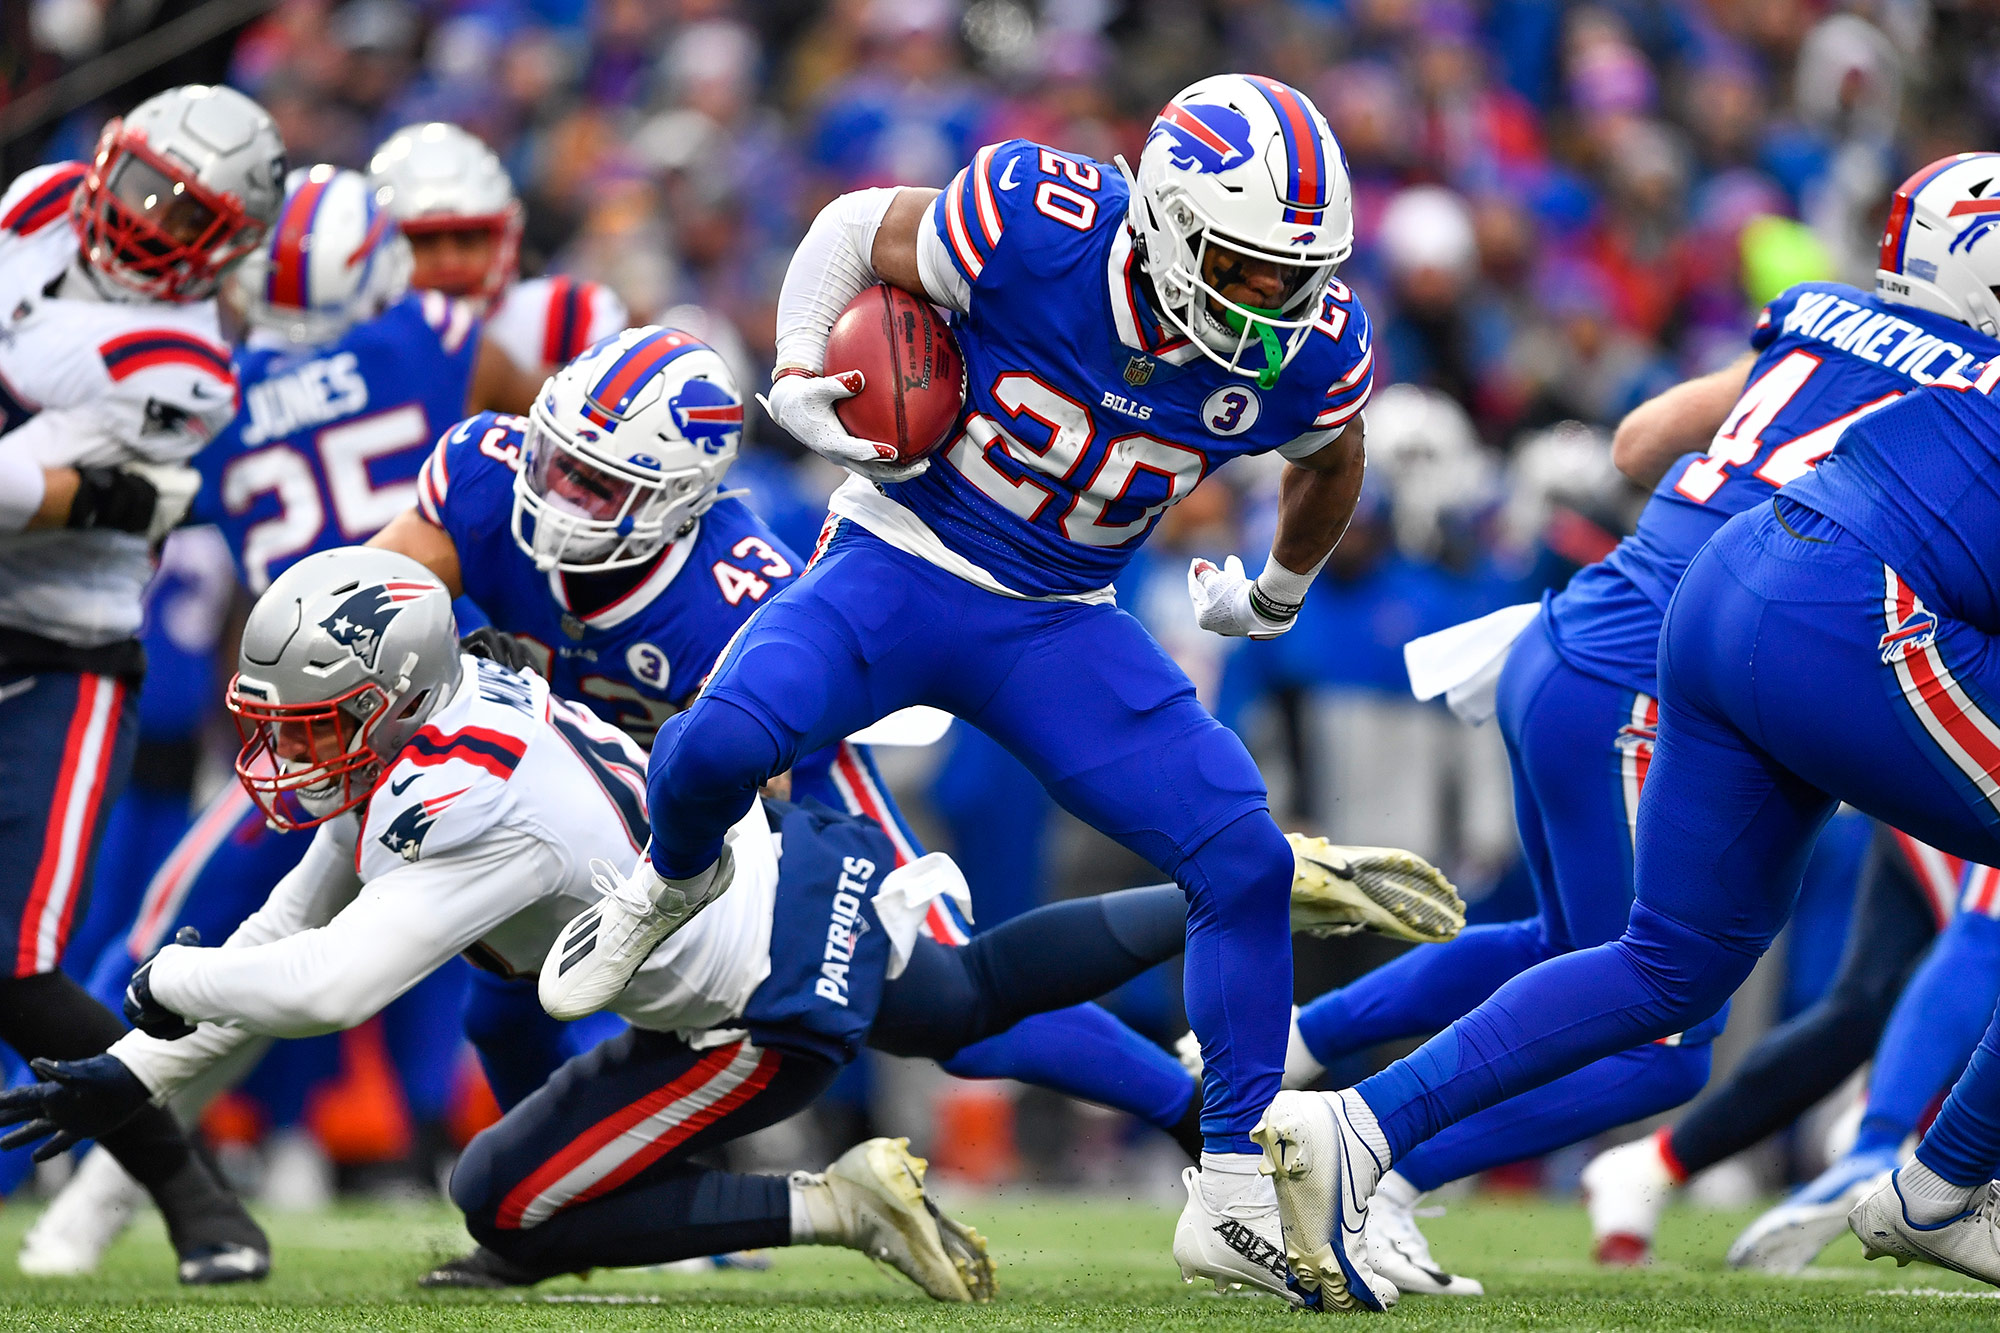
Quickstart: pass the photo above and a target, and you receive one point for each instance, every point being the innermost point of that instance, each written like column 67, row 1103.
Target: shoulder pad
column 551, row 321
column 1339, row 353
column 491, row 440
column 39, row 197
column 178, row 383
column 452, row 318
column 1048, row 195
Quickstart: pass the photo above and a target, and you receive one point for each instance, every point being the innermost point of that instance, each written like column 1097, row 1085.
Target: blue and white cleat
column 1325, row 1171
column 1967, row 1242
column 1790, row 1236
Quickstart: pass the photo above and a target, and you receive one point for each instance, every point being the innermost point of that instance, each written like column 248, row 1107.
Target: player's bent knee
column 1247, row 862
column 715, row 746
column 473, row 1189
column 1691, row 974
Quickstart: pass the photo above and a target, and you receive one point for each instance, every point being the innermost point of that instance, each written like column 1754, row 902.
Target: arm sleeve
column 310, row 895
column 833, row 265
column 399, row 929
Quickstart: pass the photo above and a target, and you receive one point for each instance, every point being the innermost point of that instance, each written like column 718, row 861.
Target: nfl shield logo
column 1138, row 370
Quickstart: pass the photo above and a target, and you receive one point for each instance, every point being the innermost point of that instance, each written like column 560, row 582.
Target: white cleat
column 877, row 1190
column 597, row 953
column 1787, row 1238
column 90, row 1212
column 1324, row 1173
column 1340, row 890
column 1239, row 1245
column 1625, row 1190
column 1967, row 1243
column 1399, row 1251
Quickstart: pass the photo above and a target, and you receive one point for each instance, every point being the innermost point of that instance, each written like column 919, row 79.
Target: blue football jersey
column 1919, row 485
column 1828, row 356
column 637, row 660
column 1085, row 418
column 326, row 448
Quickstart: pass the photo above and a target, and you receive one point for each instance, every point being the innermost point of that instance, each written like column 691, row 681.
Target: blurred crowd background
column 1561, row 209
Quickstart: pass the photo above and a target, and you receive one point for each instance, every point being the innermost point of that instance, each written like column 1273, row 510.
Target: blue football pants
column 1081, row 695
column 1779, row 699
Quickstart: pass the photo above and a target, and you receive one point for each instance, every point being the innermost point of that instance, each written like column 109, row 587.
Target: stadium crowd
column 1561, row 209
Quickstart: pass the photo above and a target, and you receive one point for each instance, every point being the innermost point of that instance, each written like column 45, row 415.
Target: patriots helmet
column 344, row 657
column 334, row 259
column 626, row 448
column 1941, row 246
column 1245, row 164
column 437, row 178
column 179, row 191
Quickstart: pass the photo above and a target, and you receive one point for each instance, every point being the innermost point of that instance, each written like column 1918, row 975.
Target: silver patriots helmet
column 344, row 657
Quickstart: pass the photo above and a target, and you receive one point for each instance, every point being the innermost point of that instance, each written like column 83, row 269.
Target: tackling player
column 1123, row 337
column 112, row 375
column 461, row 807
column 1835, row 642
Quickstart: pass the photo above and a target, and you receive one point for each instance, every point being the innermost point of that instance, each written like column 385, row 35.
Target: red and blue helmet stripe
column 1309, row 186
column 289, row 283
column 1896, row 232
column 611, row 397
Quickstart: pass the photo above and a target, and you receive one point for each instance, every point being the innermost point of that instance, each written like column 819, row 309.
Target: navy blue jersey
column 639, row 659
column 1084, row 418
column 1828, row 356
column 1919, row 486
column 326, row 448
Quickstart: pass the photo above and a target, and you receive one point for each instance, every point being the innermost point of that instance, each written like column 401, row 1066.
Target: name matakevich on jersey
column 1881, row 336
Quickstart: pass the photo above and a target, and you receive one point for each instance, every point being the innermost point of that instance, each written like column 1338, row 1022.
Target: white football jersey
column 88, row 377
column 478, row 839
column 549, row 321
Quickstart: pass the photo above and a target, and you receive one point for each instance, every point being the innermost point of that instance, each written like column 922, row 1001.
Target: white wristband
column 22, row 487
column 1283, row 587
column 834, row 264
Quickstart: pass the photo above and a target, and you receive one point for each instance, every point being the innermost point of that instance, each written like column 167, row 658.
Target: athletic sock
column 1928, row 1198
column 1231, row 1179
column 1396, row 1191
column 816, row 1217
column 1302, row 1068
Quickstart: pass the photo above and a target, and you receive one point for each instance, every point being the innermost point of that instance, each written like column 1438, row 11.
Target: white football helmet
column 334, row 259
column 1941, row 249
column 1247, row 164
column 1432, row 459
column 626, row 448
column 437, row 177
column 343, row 658
column 179, row 191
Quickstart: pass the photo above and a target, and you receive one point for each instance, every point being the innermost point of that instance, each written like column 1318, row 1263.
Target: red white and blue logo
column 360, row 621
column 405, row 834
column 708, row 415
column 1203, row 136
column 1917, row 631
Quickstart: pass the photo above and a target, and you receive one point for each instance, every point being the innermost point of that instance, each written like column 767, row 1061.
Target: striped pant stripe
column 72, row 824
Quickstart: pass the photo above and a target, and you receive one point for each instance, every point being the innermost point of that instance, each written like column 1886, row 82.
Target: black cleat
column 482, row 1269
column 214, row 1265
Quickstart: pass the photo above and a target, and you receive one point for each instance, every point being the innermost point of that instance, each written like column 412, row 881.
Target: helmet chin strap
column 1274, row 356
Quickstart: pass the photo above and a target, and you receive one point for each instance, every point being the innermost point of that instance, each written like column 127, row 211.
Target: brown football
column 914, row 378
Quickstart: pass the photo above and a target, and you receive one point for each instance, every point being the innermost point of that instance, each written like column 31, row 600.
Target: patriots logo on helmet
column 1203, row 136
column 707, row 414
column 358, row 623
column 1917, row 631
column 405, row 834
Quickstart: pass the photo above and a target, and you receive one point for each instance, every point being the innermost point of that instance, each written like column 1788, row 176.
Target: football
column 914, row 378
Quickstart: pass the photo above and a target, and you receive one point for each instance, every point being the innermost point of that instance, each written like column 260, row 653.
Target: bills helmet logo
column 1202, row 136
column 1917, row 631
column 708, row 415
column 358, row 623
column 405, row 834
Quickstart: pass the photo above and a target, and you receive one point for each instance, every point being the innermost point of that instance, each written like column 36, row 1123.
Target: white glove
column 803, row 406
column 1226, row 603
column 176, row 484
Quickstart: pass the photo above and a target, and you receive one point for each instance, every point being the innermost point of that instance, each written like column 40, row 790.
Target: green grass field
column 1064, row 1264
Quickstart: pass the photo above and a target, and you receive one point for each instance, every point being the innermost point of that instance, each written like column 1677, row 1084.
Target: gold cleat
column 1341, row 890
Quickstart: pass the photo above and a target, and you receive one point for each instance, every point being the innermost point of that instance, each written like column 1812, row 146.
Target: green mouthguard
column 1273, row 357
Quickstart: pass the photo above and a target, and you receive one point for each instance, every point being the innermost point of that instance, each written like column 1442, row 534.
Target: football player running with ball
column 1123, row 336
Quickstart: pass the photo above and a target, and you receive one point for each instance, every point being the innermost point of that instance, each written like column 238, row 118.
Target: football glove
column 802, row 405
column 1228, row 602
column 146, row 499
column 147, row 1014
column 76, row 1100
column 509, row 650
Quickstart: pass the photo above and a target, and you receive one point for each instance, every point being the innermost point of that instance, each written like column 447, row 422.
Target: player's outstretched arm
column 1316, row 498
column 413, row 535
column 1682, row 420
